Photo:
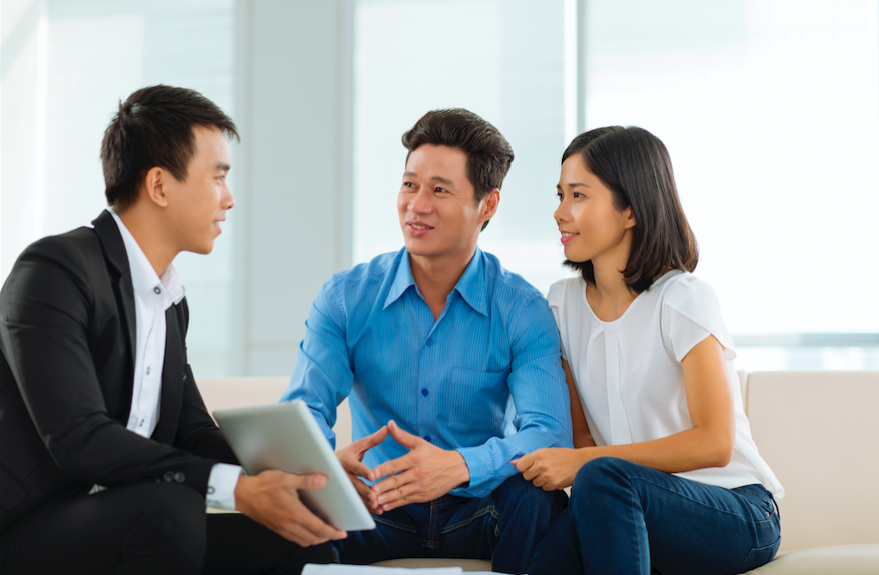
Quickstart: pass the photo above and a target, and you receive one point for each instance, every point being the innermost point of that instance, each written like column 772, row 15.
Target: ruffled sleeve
column 690, row 313
column 556, row 299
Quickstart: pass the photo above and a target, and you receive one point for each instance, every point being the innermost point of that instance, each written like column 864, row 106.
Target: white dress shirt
column 152, row 298
column 629, row 376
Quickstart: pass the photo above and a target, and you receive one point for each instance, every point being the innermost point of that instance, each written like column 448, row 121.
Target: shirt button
column 424, row 392
column 147, row 370
column 157, row 290
column 429, row 342
column 179, row 477
column 427, row 438
column 168, row 477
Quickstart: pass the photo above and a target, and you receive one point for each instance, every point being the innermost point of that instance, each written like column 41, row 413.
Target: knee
column 600, row 475
column 172, row 524
column 517, row 491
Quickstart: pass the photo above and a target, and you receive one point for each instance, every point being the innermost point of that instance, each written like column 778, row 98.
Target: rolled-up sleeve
column 322, row 377
column 537, row 384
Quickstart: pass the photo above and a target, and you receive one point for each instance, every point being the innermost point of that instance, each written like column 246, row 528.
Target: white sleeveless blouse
column 629, row 376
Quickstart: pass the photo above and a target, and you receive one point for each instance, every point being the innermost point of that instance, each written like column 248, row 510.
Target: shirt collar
column 144, row 279
column 471, row 285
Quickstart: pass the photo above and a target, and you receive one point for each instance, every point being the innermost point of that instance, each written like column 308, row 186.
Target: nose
column 420, row 202
column 228, row 200
column 561, row 212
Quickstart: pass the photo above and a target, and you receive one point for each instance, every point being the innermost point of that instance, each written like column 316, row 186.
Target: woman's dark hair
column 153, row 127
column 635, row 165
column 489, row 155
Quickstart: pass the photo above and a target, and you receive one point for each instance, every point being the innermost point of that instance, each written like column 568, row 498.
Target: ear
column 629, row 218
column 488, row 205
column 154, row 186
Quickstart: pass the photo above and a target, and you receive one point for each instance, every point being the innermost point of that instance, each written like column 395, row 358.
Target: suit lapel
column 120, row 272
column 172, row 380
column 114, row 252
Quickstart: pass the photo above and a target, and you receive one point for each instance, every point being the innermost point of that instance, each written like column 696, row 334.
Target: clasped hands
column 424, row 474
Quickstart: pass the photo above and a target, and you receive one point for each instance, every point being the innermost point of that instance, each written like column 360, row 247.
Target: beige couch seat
column 817, row 430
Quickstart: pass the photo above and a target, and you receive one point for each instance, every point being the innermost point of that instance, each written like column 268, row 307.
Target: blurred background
column 769, row 108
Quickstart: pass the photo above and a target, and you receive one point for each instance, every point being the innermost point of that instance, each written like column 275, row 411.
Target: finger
column 357, row 468
column 393, row 482
column 523, row 463
column 405, row 439
column 309, row 481
column 365, row 492
column 315, row 527
column 391, row 467
column 373, row 439
column 529, row 474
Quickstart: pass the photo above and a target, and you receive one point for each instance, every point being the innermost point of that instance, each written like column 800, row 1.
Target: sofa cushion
column 817, row 431
column 844, row 559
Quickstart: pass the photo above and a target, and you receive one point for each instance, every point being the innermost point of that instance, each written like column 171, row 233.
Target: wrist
column 462, row 471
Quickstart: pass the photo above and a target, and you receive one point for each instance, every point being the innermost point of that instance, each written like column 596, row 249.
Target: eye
column 408, row 185
column 221, row 179
column 440, row 190
column 560, row 195
column 578, row 195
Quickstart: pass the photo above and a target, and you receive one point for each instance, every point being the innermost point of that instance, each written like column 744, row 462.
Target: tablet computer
column 286, row 436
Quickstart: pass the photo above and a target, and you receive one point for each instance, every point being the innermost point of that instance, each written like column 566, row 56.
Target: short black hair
column 635, row 165
column 153, row 127
column 489, row 155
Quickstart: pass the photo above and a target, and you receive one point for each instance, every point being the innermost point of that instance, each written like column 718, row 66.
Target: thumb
column 311, row 481
column 405, row 439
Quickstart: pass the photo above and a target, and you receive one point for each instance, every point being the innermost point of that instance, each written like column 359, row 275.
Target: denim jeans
column 629, row 519
column 504, row 526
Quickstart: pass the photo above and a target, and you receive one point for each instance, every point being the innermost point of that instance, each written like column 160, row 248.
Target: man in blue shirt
column 435, row 345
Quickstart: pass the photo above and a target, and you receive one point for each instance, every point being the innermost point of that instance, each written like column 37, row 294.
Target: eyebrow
column 435, row 178
column 573, row 185
column 223, row 167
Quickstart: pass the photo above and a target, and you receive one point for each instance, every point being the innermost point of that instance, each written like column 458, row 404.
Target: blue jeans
column 505, row 527
column 628, row 519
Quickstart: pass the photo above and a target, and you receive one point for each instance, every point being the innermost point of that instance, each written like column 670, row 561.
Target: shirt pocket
column 476, row 402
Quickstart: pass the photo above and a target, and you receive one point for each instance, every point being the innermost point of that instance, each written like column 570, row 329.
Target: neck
column 146, row 226
column 610, row 297
column 436, row 277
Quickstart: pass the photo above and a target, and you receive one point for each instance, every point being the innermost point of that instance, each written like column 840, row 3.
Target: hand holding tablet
column 286, row 437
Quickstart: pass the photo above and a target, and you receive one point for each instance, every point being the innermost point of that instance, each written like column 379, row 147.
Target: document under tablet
column 285, row 436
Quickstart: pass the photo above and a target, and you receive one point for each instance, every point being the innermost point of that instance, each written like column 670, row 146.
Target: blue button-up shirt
column 370, row 334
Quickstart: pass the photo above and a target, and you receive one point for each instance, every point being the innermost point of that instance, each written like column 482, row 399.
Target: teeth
column 417, row 227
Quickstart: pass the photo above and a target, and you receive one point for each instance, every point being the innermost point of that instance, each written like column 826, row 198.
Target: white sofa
column 817, row 430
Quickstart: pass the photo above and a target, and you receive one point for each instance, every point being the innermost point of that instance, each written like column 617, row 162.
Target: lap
column 449, row 526
column 95, row 534
column 685, row 520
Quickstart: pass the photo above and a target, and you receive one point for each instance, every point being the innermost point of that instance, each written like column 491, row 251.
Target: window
column 768, row 109
column 98, row 52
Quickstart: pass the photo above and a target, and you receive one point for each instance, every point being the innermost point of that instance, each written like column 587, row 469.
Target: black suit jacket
column 67, row 329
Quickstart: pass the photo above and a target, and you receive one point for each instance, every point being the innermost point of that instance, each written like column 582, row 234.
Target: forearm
column 489, row 464
column 688, row 450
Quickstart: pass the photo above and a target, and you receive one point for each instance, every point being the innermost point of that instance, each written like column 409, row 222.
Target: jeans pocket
column 757, row 557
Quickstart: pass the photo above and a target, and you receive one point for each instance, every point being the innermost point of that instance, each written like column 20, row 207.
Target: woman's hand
column 552, row 468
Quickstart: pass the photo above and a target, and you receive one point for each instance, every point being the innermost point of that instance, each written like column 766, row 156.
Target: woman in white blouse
column 665, row 473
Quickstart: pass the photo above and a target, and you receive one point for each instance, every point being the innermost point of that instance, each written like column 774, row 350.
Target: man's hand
column 351, row 458
column 271, row 498
column 423, row 474
column 552, row 468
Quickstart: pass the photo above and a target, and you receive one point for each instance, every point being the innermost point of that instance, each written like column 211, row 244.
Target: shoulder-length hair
column 635, row 165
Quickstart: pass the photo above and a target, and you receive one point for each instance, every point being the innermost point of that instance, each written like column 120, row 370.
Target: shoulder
column 357, row 287
column 506, row 284
column 561, row 291
column 686, row 293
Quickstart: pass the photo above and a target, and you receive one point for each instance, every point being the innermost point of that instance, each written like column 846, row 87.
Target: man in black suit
column 108, row 453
